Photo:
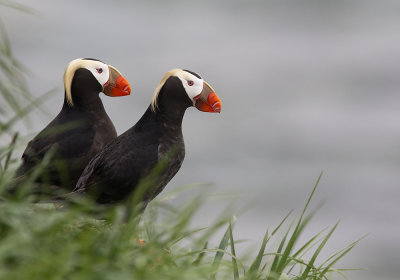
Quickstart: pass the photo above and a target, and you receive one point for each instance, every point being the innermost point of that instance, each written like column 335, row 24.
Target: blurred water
column 306, row 86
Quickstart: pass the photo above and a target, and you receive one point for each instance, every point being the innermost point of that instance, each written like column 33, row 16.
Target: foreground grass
column 39, row 241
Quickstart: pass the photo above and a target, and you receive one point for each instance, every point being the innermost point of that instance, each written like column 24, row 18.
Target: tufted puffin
column 156, row 138
column 81, row 129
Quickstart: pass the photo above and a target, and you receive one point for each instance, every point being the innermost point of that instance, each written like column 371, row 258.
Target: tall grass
column 41, row 241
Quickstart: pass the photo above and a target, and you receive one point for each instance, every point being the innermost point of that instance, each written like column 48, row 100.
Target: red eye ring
column 99, row 70
column 190, row 83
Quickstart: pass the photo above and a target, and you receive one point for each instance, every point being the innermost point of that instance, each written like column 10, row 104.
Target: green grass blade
column 255, row 266
column 337, row 256
column 281, row 223
column 315, row 255
column 312, row 194
column 20, row 113
column 276, row 258
column 201, row 255
column 295, row 235
column 10, row 150
column 305, row 246
column 234, row 262
column 274, row 267
column 330, row 265
column 340, row 251
column 184, row 235
column 221, row 251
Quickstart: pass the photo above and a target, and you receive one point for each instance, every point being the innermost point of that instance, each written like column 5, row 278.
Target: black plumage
column 81, row 129
column 157, row 137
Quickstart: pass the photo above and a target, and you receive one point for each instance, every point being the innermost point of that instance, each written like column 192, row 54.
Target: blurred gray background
column 306, row 85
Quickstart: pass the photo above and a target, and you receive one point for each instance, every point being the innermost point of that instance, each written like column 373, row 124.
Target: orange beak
column 116, row 85
column 208, row 100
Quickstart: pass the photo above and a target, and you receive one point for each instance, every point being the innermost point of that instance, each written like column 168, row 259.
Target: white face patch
column 193, row 85
column 99, row 70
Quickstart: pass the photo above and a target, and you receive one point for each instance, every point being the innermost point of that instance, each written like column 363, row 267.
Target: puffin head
column 200, row 93
column 94, row 73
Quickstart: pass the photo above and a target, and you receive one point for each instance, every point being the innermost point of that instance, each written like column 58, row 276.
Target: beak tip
column 217, row 107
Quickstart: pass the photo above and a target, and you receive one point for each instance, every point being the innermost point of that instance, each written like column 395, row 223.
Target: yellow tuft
column 173, row 72
column 69, row 75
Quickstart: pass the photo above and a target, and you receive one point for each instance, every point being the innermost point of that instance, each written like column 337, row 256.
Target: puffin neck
column 171, row 115
column 88, row 101
column 167, row 121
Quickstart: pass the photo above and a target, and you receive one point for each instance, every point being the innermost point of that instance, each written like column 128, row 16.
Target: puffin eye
column 99, row 70
column 190, row 83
